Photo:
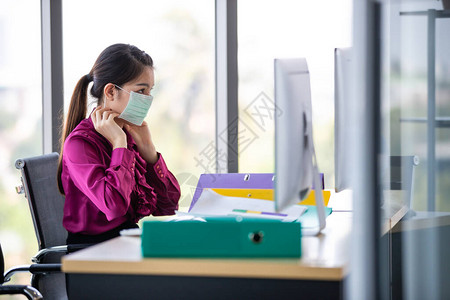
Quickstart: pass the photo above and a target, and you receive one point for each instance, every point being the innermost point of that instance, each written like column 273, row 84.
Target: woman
column 109, row 169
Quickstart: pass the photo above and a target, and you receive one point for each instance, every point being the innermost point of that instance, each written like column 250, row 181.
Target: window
column 415, row 119
column 403, row 85
column 179, row 35
column 20, row 120
column 278, row 29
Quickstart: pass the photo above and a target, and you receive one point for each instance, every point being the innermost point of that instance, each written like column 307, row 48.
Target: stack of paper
column 211, row 203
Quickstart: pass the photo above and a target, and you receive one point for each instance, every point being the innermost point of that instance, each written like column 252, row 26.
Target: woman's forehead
column 146, row 78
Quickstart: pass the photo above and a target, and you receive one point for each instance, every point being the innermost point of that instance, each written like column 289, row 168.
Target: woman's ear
column 109, row 91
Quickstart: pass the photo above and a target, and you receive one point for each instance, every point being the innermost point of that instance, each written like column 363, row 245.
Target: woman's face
column 117, row 99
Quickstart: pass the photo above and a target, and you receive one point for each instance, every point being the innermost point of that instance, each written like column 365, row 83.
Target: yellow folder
column 267, row 194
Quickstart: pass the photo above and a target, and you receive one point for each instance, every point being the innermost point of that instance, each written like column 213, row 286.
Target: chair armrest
column 8, row 274
column 29, row 291
column 44, row 268
column 75, row 247
column 34, row 269
column 43, row 252
column 65, row 249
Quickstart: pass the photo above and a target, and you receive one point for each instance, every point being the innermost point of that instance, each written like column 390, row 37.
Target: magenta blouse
column 105, row 188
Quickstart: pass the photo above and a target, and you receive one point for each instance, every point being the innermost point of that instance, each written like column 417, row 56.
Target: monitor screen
column 293, row 159
column 342, row 64
column 294, row 149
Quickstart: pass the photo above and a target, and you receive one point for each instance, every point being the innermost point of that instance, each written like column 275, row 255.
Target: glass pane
column 280, row 29
column 20, row 122
column 179, row 36
column 416, row 81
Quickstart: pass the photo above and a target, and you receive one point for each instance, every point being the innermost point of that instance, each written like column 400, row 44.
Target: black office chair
column 26, row 290
column 46, row 204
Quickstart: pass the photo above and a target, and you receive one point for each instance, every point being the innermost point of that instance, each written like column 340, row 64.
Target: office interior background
column 180, row 37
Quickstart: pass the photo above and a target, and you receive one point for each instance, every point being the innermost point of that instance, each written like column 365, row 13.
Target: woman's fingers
column 94, row 115
column 105, row 124
column 101, row 116
column 98, row 113
column 112, row 115
column 103, row 113
column 106, row 114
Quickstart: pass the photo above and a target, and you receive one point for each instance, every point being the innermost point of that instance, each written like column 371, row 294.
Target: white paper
column 214, row 204
column 183, row 216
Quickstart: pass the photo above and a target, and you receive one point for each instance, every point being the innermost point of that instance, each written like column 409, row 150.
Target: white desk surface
column 341, row 201
column 393, row 210
column 423, row 220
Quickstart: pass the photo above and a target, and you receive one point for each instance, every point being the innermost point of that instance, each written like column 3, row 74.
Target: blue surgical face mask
column 137, row 107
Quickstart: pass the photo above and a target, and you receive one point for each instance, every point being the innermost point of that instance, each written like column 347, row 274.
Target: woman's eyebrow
column 144, row 84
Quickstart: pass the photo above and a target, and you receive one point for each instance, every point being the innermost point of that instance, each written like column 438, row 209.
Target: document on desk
column 213, row 204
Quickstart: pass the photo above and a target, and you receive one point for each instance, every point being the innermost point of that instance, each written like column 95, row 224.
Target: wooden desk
column 117, row 269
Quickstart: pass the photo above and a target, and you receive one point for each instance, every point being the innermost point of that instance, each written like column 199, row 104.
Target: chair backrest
column 402, row 175
column 2, row 266
column 44, row 199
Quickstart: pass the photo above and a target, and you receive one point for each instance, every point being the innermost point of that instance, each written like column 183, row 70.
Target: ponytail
column 77, row 113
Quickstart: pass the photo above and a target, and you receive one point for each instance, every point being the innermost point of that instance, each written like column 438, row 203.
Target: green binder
column 221, row 237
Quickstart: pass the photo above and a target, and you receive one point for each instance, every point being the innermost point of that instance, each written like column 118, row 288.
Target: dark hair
column 118, row 64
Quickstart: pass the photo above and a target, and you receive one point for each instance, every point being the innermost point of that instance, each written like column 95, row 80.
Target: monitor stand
column 320, row 206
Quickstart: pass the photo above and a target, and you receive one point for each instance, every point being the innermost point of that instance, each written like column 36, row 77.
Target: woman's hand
column 142, row 137
column 104, row 123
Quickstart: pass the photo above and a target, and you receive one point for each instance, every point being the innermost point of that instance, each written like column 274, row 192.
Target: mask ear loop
column 122, row 89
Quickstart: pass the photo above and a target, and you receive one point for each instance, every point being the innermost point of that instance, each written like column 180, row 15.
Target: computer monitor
column 295, row 163
column 342, row 65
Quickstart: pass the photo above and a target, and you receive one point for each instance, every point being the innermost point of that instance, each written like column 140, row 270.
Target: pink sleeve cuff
column 122, row 156
column 159, row 168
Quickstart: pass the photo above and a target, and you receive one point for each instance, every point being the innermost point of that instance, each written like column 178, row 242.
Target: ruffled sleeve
column 165, row 187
